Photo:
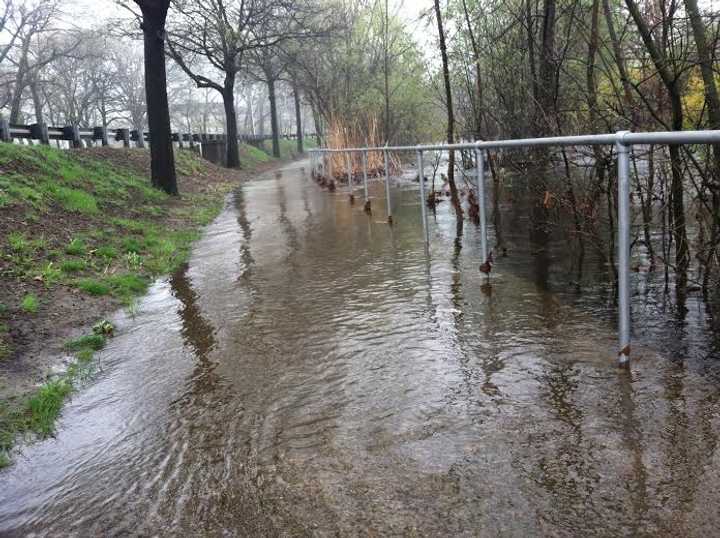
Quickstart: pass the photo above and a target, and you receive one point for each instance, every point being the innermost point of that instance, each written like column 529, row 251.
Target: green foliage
column 30, row 303
column 18, row 242
column 49, row 274
column 76, row 247
column 93, row 341
column 46, row 404
column 72, row 266
column 251, row 156
column 93, row 286
column 132, row 244
column 128, row 285
column 74, row 200
column 108, row 252
column 103, row 327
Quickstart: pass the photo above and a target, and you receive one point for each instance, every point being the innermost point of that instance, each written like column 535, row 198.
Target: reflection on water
column 312, row 371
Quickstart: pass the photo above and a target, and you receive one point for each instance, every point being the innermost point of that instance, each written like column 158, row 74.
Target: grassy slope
column 81, row 233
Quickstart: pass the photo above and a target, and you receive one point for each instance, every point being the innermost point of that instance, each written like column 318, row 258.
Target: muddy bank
column 82, row 234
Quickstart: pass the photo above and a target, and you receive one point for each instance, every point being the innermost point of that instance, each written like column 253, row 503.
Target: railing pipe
column 348, row 162
column 387, row 187
column 480, row 168
column 622, row 140
column 623, row 270
column 365, row 174
column 423, row 200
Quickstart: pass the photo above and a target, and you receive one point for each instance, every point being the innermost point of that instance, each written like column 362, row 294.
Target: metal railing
column 623, row 141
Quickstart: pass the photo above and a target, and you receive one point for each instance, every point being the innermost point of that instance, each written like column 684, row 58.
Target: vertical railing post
column 387, row 187
column 365, row 174
column 480, row 193
column 623, row 268
column 348, row 162
column 423, row 201
column 365, row 180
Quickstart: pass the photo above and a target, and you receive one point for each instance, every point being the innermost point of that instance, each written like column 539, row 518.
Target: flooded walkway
column 313, row 372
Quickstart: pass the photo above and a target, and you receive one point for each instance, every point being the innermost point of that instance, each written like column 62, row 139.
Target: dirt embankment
column 81, row 234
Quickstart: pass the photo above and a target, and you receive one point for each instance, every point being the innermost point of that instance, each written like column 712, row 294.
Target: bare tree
column 153, row 16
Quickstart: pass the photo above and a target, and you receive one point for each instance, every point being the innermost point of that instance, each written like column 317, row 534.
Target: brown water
column 313, row 372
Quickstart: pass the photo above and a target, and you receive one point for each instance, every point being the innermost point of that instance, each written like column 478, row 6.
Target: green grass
column 74, row 200
column 94, row 342
column 72, row 266
column 124, row 233
column 18, row 242
column 30, row 303
column 108, row 252
column 93, row 286
column 45, row 406
column 251, row 156
column 76, row 247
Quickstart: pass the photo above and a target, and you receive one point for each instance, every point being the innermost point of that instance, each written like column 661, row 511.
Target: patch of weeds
column 93, row 287
column 103, row 327
column 5, row 348
column 85, row 355
column 18, row 242
column 74, row 200
column 205, row 216
column 76, row 247
column 93, row 341
column 72, row 266
column 131, row 244
column 107, row 252
column 30, row 303
column 4, row 459
column 133, row 261
column 135, row 226
column 3, row 308
column 46, row 404
column 50, row 274
column 127, row 286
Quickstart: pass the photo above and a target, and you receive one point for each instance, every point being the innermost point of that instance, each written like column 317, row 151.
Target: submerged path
column 312, row 372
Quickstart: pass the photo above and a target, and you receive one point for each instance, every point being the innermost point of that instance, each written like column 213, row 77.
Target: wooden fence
column 76, row 136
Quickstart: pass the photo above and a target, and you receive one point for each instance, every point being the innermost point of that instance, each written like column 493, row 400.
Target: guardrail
column 76, row 135
column 622, row 141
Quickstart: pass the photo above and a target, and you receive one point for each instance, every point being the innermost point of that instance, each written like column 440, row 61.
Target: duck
column 486, row 267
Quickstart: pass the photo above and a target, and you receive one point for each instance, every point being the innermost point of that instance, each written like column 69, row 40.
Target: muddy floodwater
column 313, row 372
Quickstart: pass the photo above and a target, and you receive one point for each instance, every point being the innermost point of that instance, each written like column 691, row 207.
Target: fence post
column 423, row 200
column 480, row 168
column 348, row 161
column 365, row 179
column 623, row 269
column 5, row 130
column 100, row 133
column 125, row 137
column 387, row 188
column 39, row 131
column 72, row 133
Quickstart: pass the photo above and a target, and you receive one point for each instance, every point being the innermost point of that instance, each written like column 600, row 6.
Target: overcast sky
column 91, row 12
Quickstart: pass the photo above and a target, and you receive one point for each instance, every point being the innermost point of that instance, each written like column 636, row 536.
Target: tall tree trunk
column 232, row 150
column 298, row 119
column 670, row 81
column 546, row 72
column 161, row 148
column 478, row 73
column 273, row 118
column 450, row 115
column 37, row 102
column 713, row 105
column 622, row 69
column 386, row 73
